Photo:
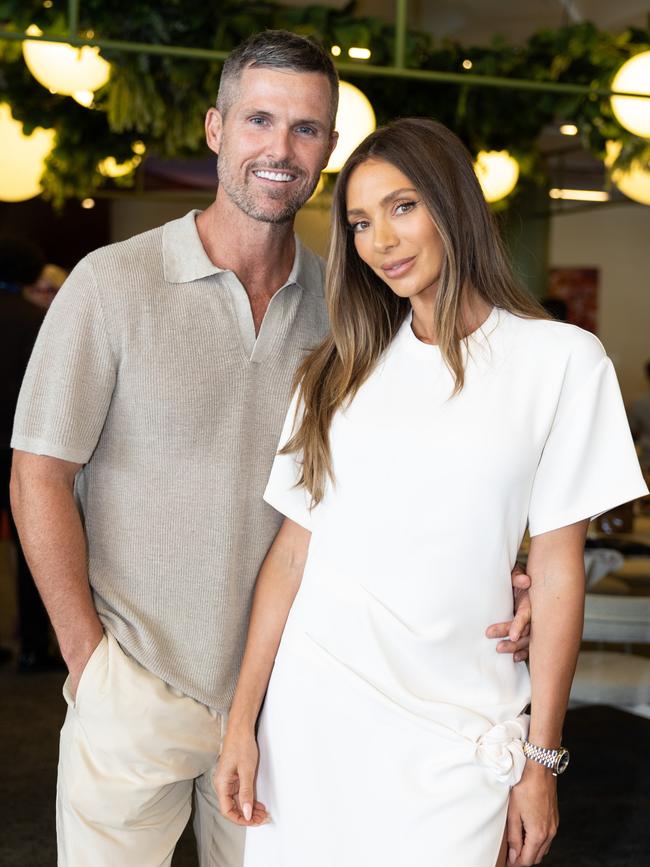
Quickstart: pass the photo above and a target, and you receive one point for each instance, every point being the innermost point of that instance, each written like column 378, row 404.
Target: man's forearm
column 54, row 544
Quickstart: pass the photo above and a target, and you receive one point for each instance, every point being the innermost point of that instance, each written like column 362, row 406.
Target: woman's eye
column 359, row 226
column 404, row 207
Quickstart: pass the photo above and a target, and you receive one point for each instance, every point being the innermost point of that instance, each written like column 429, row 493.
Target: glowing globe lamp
column 497, row 173
column 631, row 112
column 84, row 97
column 63, row 69
column 355, row 119
column 110, row 168
column 633, row 182
column 23, row 158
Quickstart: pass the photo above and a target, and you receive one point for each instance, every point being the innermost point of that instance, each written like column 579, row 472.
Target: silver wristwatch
column 556, row 761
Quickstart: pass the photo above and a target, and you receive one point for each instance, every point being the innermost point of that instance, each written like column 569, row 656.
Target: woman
column 442, row 415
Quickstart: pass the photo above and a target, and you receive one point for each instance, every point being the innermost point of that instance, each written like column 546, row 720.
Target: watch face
column 562, row 762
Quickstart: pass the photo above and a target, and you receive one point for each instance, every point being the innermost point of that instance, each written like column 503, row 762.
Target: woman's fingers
column 247, row 791
column 515, row 837
column 226, row 786
column 235, row 791
column 536, row 845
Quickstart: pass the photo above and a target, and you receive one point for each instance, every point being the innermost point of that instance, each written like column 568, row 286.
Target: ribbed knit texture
column 142, row 372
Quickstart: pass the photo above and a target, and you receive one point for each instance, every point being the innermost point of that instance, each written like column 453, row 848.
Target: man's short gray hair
column 276, row 49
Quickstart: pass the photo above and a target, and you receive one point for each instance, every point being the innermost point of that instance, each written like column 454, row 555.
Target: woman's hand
column 234, row 782
column 532, row 816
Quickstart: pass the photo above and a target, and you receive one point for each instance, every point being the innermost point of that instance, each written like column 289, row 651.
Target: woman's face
column 393, row 230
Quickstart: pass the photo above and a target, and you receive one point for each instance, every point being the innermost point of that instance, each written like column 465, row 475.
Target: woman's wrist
column 242, row 723
column 535, row 769
column 547, row 735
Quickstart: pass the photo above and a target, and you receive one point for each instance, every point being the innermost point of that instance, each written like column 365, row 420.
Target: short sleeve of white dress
column 589, row 463
column 282, row 491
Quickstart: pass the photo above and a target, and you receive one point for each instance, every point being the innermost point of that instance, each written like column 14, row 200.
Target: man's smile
column 270, row 175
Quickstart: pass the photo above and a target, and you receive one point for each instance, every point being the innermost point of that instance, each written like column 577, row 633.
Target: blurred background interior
column 99, row 143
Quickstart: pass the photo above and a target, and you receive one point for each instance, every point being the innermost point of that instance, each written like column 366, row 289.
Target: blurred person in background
column 21, row 268
column 43, row 290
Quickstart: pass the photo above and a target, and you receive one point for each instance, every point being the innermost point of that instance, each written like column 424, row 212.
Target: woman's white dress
column 391, row 731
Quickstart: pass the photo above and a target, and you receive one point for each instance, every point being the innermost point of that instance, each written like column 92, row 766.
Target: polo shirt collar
column 185, row 259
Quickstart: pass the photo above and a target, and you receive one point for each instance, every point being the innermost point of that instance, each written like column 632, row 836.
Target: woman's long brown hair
column 365, row 314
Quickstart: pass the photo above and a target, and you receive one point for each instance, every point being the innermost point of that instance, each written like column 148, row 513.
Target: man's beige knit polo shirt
column 148, row 372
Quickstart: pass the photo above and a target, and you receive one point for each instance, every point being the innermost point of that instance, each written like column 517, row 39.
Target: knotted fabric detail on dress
column 501, row 749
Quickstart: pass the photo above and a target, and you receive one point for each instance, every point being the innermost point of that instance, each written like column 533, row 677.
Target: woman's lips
column 399, row 268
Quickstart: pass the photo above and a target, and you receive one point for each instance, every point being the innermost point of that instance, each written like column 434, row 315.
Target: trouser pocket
column 95, row 661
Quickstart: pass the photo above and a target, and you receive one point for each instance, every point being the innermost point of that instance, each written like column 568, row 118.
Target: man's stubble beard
column 240, row 194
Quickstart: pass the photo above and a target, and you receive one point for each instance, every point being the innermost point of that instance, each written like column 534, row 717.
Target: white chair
column 600, row 562
column 613, row 677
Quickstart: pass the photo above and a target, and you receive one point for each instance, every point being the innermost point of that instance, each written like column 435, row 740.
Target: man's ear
column 213, row 129
column 334, row 137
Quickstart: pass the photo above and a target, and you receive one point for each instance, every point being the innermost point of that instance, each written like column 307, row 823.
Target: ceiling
column 475, row 22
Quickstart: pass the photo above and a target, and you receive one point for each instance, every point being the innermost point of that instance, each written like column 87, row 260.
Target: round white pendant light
column 63, row 69
column 23, row 158
column 631, row 112
column 110, row 168
column 633, row 182
column 497, row 173
column 355, row 119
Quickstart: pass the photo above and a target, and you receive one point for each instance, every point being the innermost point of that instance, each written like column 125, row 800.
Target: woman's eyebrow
column 396, row 193
column 387, row 198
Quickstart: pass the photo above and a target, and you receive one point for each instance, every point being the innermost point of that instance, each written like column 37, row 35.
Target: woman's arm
column 276, row 588
column 556, row 570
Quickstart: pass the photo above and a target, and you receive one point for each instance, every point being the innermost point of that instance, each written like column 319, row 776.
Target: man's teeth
column 274, row 176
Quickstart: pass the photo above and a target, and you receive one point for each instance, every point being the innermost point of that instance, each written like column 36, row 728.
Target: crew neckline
column 479, row 334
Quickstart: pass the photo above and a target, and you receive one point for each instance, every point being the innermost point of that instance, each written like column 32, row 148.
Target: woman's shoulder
column 555, row 341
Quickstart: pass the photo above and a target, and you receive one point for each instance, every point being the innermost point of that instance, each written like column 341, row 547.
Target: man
column 157, row 391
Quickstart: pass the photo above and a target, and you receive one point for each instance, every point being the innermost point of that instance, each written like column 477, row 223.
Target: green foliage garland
column 162, row 100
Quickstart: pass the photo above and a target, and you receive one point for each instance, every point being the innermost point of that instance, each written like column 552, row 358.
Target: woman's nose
column 384, row 237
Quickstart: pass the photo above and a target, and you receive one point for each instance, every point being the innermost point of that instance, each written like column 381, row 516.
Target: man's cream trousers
column 132, row 752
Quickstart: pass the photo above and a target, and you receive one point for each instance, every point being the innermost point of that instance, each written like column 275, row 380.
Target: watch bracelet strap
column 541, row 755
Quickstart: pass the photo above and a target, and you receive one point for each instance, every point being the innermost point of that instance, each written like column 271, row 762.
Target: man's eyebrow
column 255, row 112
column 312, row 122
column 387, row 198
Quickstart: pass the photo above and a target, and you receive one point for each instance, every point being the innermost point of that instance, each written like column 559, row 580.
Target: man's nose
column 279, row 147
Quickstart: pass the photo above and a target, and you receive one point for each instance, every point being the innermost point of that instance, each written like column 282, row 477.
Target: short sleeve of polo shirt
column 589, row 463
column 69, row 381
column 282, row 491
